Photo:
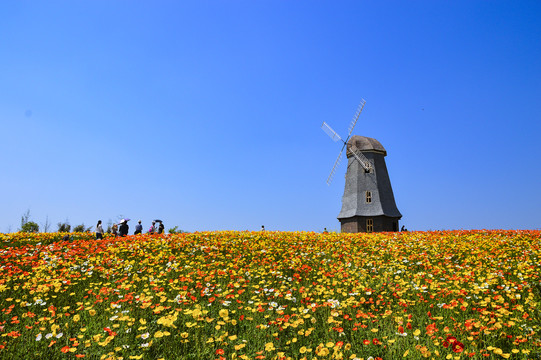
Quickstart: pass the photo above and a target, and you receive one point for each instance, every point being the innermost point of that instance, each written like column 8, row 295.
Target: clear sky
column 207, row 114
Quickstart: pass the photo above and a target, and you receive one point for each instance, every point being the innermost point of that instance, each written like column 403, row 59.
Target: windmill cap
column 364, row 143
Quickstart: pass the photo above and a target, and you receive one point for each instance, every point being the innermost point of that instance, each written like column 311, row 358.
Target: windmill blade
column 336, row 163
column 365, row 163
column 332, row 134
column 356, row 116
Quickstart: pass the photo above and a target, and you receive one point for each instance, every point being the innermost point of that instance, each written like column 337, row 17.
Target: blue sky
column 207, row 114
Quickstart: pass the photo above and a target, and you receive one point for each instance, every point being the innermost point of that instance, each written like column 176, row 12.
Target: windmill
column 368, row 203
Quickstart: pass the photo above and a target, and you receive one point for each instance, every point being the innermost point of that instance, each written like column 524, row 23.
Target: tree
column 30, row 227
column 47, row 225
column 175, row 230
column 25, row 218
column 27, row 225
column 109, row 226
column 64, row 227
column 81, row 228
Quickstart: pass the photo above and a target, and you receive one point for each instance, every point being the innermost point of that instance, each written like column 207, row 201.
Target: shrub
column 30, row 227
column 81, row 228
column 175, row 230
column 64, row 227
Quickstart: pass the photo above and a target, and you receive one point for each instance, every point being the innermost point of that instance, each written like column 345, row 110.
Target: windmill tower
column 368, row 203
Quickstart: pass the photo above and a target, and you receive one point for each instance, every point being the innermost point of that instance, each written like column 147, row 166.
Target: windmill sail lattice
column 336, row 164
column 335, row 137
column 365, row 163
column 332, row 134
column 356, row 117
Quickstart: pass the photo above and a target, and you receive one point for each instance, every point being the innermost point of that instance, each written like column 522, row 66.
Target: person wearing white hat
column 123, row 229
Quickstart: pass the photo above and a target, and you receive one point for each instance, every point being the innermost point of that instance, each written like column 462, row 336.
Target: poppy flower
column 456, row 345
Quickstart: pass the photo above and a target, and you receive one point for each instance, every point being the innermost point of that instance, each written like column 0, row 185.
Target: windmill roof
column 364, row 143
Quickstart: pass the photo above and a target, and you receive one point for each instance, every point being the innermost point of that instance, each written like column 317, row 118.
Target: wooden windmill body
column 368, row 203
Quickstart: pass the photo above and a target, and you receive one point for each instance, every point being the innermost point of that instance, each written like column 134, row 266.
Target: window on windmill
column 369, row 196
column 369, row 225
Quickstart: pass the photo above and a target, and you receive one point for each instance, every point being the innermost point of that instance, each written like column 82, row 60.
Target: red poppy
column 431, row 328
column 220, row 352
column 456, row 345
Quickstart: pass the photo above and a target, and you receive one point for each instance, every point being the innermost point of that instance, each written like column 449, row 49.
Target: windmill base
column 357, row 224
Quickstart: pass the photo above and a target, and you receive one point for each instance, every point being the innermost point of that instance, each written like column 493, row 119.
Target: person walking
column 152, row 228
column 114, row 230
column 99, row 231
column 161, row 228
column 138, row 228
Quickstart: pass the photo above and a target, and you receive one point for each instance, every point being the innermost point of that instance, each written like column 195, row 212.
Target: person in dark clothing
column 138, row 228
column 123, row 229
column 161, row 228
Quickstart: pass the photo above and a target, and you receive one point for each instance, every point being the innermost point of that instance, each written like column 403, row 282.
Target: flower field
column 272, row 295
